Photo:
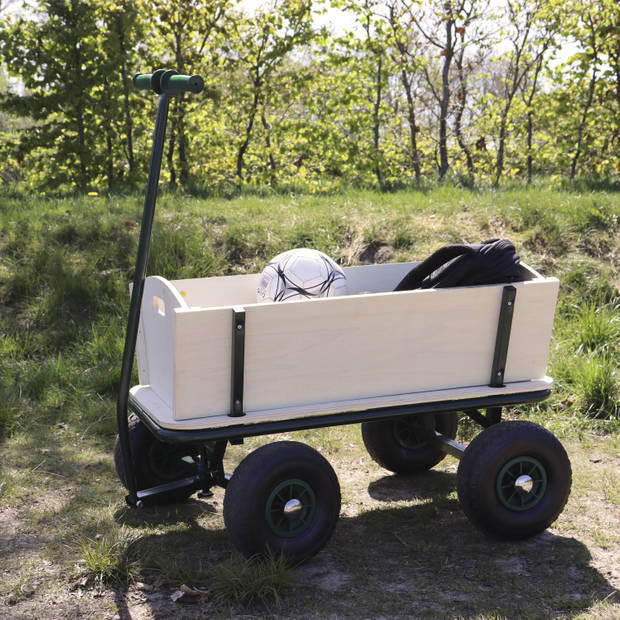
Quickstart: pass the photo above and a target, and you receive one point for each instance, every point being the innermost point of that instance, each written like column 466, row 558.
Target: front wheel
column 514, row 480
column 283, row 498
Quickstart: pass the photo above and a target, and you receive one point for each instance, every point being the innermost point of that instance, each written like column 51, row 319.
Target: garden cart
column 216, row 367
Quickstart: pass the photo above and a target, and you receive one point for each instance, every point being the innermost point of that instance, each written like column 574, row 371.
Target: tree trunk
column 243, row 147
column 376, row 120
column 79, row 113
column 530, row 116
column 499, row 162
column 183, row 143
column 530, row 122
column 171, row 143
column 180, row 108
column 126, row 90
column 445, row 102
column 586, row 109
column 413, row 128
column 460, row 109
column 272, row 161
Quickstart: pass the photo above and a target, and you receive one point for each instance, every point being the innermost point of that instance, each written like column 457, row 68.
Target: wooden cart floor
column 160, row 413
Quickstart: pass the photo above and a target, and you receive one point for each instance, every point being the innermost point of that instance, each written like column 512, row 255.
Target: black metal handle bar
column 165, row 83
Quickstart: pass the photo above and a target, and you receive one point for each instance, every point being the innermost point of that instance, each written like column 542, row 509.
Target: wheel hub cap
column 293, row 508
column 521, row 483
column 524, row 484
column 290, row 508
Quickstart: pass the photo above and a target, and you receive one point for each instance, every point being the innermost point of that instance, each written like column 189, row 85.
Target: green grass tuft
column 597, row 328
column 105, row 560
column 598, row 391
column 260, row 580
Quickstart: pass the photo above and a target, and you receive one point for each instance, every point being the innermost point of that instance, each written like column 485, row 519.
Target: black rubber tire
column 144, row 449
column 384, row 441
column 252, row 487
column 482, row 464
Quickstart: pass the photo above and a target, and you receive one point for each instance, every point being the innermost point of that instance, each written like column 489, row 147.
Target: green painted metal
column 279, row 522
column 142, row 81
column 509, row 494
column 449, row 446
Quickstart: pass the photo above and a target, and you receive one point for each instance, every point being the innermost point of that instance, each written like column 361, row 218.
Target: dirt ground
column 402, row 548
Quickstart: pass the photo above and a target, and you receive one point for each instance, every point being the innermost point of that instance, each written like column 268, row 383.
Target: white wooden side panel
column 155, row 345
column 310, row 353
column 202, row 362
column 241, row 290
column 366, row 346
column 376, row 278
column 532, row 324
column 304, row 353
column 219, row 290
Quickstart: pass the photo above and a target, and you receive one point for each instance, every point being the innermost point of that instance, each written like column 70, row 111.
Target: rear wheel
column 404, row 444
column 283, row 498
column 156, row 463
column 514, row 479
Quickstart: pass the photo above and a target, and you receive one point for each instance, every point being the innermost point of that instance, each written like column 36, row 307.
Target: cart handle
column 170, row 82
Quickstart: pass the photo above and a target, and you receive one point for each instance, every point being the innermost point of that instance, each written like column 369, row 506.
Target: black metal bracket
column 502, row 338
column 238, row 363
column 493, row 416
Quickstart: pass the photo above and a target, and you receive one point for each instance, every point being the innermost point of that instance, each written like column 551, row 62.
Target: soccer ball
column 301, row 274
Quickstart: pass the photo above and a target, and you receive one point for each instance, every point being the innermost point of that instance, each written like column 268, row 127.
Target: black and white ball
column 301, row 274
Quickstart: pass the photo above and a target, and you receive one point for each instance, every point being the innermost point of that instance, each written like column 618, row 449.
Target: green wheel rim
column 521, row 483
column 167, row 462
column 409, row 434
column 290, row 508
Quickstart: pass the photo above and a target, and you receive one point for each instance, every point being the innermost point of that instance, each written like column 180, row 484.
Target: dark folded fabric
column 490, row 262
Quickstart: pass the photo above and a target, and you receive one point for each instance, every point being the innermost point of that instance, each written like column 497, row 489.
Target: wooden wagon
column 215, row 367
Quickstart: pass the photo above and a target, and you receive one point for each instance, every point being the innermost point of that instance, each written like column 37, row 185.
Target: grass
column 249, row 582
column 106, row 560
column 401, row 543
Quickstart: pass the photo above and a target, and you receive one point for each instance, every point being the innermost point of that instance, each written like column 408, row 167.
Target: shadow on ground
column 424, row 560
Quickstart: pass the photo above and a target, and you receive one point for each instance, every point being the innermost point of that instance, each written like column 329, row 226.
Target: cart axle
column 449, row 446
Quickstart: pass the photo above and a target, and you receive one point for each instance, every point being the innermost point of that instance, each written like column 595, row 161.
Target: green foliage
column 293, row 106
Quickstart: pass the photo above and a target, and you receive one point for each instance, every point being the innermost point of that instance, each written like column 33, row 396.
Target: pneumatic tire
column 402, row 444
column 514, row 480
column 283, row 499
column 156, row 463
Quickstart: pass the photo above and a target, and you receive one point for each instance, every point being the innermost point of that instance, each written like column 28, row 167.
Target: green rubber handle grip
column 142, row 81
column 169, row 82
column 174, row 84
